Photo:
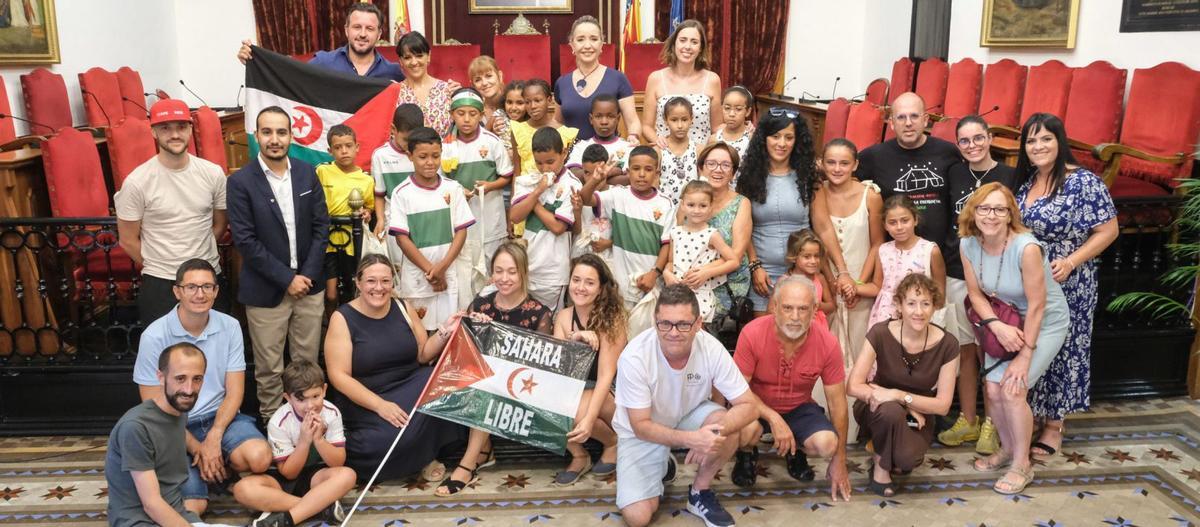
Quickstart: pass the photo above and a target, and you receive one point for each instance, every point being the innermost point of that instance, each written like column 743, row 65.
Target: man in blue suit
column 280, row 226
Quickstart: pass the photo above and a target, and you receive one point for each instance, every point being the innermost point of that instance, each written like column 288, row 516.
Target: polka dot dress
column 701, row 128
column 676, row 172
column 691, row 250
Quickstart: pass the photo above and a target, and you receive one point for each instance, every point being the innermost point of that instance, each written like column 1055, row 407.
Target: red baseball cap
column 168, row 110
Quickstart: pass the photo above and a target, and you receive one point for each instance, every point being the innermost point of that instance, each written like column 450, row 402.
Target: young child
column 537, row 107
column 595, row 233
column 679, row 157
column 699, row 256
column 604, row 117
column 429, row 218
column 309, row 449
column 907, row 253
column 476, row 159
column 547, row 212
column 390, row 164
column 513, row 106
column 340, row 178
column 806, row 253
column 736, row 128
column 640, row 217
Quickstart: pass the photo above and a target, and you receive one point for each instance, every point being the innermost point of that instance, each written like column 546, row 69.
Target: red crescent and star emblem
column 306, row 125
column 527, row 384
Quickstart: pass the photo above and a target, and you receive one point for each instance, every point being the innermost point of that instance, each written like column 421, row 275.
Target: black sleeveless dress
column 384, row 359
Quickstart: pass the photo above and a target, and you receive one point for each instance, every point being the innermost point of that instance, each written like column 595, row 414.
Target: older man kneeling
column 665, row 379
column 782, row 355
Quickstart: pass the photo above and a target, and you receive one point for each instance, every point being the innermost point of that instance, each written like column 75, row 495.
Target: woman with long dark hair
column 777, row 177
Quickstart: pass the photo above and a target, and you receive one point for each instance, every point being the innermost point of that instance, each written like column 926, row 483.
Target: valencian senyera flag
column 317, row 99
column 511, row 382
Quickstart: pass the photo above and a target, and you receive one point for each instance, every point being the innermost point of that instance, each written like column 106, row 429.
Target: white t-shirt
column 549, row 253
column 638, row 230
column 618, row 149
column 283, row 431
column 430, row 217
column 645, row 380
column 482, row 159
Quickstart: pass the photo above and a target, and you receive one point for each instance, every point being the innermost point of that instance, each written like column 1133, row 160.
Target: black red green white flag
column 511, row 382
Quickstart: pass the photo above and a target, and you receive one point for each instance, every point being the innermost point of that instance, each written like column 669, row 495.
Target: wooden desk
column 814, row 113
column 22, row 194
column 1005, row 150
column 233, row 131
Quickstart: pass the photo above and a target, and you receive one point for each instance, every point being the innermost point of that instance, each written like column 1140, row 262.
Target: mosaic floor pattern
column 1125, row 464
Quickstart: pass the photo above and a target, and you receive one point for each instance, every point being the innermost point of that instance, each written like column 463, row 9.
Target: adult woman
column 1070, row 211
column 717, row 163
column 488, row 80
column 379, row 365
column 916, row 364
column 686, row 75
column 431, row 94
column 595, row 314
column 511, row 304
column 1002, row 260
column 777, row 177
column 575, row 91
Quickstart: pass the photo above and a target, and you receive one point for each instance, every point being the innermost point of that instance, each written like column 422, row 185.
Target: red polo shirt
column 784, row 385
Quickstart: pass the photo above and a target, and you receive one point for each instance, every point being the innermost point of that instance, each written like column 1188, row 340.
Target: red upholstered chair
column 836, row 116
column 944, row 129
column 8, row 131
column 130, row 144
column 1003, row 85
column 523, row 56
column 864, row 125
column 133, row 93
column 1162, row 122
column 566, row 61
column 931, row 84
column 46, row 101
column 101, row 97
column 207, row 135
column 1094, row 107
column 877, row 92
column 75, row 184
column 640, row 61
column 962, row 88
column 1046, row 90
column 451, row 61
column 902, row 78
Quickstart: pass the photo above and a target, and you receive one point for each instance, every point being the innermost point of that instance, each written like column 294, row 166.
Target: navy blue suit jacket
column 261, row 237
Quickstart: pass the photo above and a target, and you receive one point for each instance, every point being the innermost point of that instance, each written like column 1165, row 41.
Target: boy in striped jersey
column 429, row 218
column 390, row 164
column 639, row 217
column 477, row 160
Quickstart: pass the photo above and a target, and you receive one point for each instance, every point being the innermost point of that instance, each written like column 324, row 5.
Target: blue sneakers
column 703, row 503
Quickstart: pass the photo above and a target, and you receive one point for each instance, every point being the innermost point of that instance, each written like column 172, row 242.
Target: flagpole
column 395, row 441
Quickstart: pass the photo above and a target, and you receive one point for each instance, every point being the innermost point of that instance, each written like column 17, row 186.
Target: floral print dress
column 1063, row 223
column 436, row 107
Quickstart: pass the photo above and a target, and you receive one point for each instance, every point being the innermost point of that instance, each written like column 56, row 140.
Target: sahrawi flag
column 317, row 99
column 510, row 382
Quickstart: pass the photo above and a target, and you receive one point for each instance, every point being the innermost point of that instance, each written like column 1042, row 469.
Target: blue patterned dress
column 1063, row 224
column 737, row 283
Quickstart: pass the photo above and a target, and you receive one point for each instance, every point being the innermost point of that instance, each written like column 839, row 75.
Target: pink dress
column 897, row 264
column 436, row 107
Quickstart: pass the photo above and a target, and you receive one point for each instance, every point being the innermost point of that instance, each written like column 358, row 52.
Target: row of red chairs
column 1141, row 148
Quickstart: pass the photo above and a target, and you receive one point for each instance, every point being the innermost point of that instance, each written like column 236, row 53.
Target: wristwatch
column 907, row 399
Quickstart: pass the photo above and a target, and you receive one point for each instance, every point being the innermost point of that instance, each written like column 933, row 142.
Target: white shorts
column 641, row 465
column 437, row 309
column 956, row 312
column 549, row 296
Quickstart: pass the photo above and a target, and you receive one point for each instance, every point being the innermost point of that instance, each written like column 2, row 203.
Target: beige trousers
column 297, row 322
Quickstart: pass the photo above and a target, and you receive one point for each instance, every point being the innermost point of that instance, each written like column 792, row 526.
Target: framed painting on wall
column 521, row 6
column 1029, row 23
column 28, row 32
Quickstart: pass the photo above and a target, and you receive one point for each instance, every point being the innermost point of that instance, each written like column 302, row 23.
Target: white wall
column 208, row 34
column 1098, row 38
column 856, row 40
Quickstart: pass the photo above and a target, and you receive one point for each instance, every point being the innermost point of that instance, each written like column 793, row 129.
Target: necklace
column 979, row 179
column 999, row 268
column 911, row 363
column 581, row 84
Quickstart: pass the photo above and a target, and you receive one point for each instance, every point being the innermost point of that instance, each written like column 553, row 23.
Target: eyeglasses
column 724, row 166
column 372, row 283
column 192, row 288
column 778, row 111
column 985, row 210
column 968, row 141
column 665, row 326
column 906, row 117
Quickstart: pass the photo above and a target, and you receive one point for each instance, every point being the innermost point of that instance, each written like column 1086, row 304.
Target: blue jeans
column 241, row 429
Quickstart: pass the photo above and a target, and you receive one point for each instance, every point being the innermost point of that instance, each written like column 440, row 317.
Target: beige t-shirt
column 176, row 210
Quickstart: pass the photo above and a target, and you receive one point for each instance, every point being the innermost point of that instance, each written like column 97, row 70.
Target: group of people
column 859, row 283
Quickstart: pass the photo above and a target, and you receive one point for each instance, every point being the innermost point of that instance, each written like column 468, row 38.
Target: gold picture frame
column 1029, row 23
column 521, row 6
column 28, row 32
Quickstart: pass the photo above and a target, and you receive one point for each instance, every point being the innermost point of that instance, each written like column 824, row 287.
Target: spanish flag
column 631, row 33
column 403, row 24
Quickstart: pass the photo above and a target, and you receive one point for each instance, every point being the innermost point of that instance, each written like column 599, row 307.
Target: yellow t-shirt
column 523, row 136
column 337, row 185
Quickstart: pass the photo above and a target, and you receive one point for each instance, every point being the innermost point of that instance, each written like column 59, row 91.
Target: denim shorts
column 241, row 429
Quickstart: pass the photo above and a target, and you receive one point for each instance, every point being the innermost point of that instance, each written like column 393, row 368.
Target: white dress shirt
column 281, row 186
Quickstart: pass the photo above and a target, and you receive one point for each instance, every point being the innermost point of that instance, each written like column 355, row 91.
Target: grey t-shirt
column 145, row 438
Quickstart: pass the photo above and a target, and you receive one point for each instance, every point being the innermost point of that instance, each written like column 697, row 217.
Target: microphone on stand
column 98, row 105
column 27, row 121
column 994, row 109
column 805, row 96
column 836, row 80
column 135, row 103
column 237, row 100
column 189, row 90
column 782, row 91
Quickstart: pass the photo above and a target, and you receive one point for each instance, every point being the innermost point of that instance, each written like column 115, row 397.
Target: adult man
column 782, row 355
column 170, row 209
column 665, row 380
column 216, row 434
column 281, row 227
column 364, row 25
column 146, row 464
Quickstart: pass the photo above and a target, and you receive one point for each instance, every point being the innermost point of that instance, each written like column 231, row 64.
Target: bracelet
column 840, row 273
column 985, row 322
column 658, row 270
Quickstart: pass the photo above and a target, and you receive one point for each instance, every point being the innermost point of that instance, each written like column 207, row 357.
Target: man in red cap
column 169, row 210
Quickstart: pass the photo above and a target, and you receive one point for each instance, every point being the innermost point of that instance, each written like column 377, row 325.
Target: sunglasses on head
column 778, row 111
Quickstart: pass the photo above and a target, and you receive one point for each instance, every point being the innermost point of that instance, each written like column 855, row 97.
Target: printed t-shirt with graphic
column 921, row 174
column 783, row 385
column 430, row 217
column 481, row 159
column 283, row 432
column 963, row 182
column 617, row 147
column 549, row 265
column 390, row 167
column 639, row 230
column 338, row 185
